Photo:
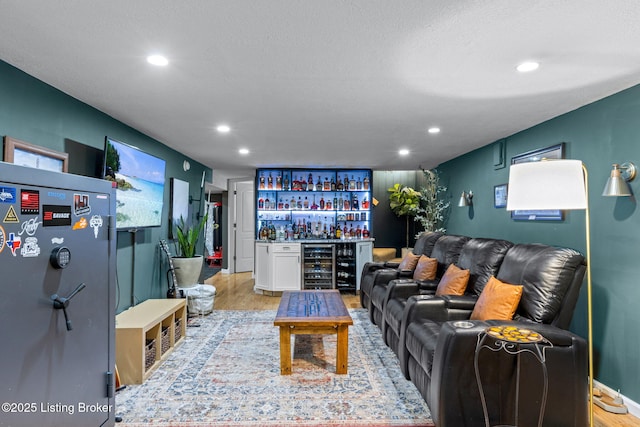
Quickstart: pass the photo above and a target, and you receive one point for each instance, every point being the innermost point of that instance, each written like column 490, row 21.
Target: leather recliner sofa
column 481, row 256
column 380, row 274
column 438, row 346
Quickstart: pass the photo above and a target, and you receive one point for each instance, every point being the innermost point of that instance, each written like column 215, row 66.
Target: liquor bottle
column 345, row 231
column 358, row 184
column 310, row 182
column 328, row 205
column 335, row 202
column 365, row 203
column 322, row 204
column 286, row 183
column 324, row 231
column 365, row 232
column 339, row 186
column 355, row 205
column 261, row 186
column 358, row 232
column 347, row 204
column 303, row 184
column 338, row 232
column 286, row 204
column 346, row 182
column 280, row 204
column 305, row 204
column 299, row 203
column 318, row 184
column 314, row 206
column 267, row 203
column 332, row 184
column 270, row 182
column 352, row 183
column 363, row 216
column 260, row 203
column 293, row 202
column 327, row 184
column 340, row 204
column 365, row 183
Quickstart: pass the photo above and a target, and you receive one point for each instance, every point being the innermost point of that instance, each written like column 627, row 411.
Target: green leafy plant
column 188, row 237
column 404, row 201
column 432, row 211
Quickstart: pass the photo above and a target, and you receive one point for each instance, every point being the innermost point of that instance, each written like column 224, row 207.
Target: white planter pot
column 187, row 270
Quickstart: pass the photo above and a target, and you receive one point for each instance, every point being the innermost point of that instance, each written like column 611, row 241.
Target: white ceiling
column 327, row 82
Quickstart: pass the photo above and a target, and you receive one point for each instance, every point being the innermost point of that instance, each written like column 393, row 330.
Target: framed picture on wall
column 179, row 203
column 500, row 196
column 25, row 154
column 553, row 152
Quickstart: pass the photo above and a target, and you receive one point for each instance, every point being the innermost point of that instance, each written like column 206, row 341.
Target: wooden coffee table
column 313, row 312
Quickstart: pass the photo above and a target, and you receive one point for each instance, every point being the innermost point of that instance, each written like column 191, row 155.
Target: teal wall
column 599, row 134
column 35, row 112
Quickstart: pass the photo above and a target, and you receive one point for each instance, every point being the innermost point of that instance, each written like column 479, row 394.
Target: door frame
column 232, row 220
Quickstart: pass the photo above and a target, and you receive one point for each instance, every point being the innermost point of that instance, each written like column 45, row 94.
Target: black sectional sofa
column 440, row 350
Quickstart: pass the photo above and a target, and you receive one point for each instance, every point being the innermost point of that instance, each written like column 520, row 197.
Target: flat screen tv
column 140, row 185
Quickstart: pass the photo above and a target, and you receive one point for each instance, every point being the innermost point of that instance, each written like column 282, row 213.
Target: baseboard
column 634, row 407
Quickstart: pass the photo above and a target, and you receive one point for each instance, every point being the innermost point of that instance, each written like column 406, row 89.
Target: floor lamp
column 556, row 185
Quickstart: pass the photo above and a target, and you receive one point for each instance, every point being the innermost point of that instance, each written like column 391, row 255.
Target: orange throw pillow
column 497, row 301
column 426, row 268
column 409, row 261
column 453, row 282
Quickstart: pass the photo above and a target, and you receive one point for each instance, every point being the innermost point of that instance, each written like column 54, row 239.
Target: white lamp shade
column 547, row 185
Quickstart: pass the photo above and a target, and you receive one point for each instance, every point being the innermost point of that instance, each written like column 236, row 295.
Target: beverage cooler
column 318, row 261
column 346, row 266
column 58, row 258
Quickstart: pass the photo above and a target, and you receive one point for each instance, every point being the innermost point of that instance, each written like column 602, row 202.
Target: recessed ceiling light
column 223, row 128
column 243, row 151
column 434, row 129
column 158, row 60
column 403, row 152
column 525, row 67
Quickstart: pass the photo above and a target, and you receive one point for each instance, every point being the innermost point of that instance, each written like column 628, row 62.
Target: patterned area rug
column 227, row 373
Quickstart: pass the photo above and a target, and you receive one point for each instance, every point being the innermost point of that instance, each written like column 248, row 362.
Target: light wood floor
column 235, row 292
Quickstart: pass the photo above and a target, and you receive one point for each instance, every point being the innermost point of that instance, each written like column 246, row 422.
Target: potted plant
column 433, row 211
column 404, row 201
column 188, row 265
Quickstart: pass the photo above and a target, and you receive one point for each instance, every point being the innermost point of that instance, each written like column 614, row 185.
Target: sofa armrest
column 454, row 377
column 460, row 302
column 391, row 264
column 402, row 289
column 428, row 286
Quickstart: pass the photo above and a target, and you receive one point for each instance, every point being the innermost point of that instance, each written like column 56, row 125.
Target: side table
column 516, row 341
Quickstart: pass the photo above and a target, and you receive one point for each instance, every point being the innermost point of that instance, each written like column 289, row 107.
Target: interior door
column 244, row 226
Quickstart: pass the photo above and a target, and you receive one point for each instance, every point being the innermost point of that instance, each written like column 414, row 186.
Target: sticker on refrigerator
column 30, row 247
column 11, row 216
column 96, row 223
column 2, row 239
column 13, row 243
column 56, row 215
column 29, row 202
column 57, row 240
column 7, row 195
column 81, row 204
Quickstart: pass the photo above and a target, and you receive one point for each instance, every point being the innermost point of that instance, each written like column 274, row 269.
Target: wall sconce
column 617, row 183
column 466, row 199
